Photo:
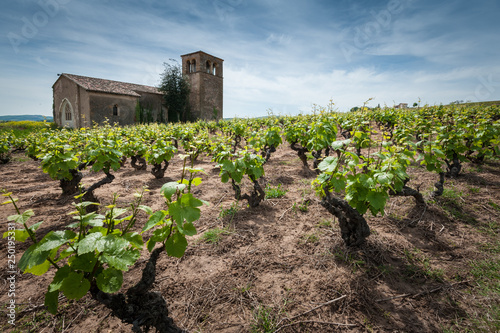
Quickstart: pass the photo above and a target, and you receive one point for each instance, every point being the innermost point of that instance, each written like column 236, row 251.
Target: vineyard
column 373, row 221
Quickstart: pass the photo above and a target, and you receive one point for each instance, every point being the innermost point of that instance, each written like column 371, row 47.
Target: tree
column 176, row 92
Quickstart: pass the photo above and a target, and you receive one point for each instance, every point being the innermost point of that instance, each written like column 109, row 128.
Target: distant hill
column 26, row 117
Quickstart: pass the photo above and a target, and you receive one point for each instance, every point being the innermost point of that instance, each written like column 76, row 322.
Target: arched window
column 67, row 112
column 208, row 67
column 189, row 66
column 192, row 69
column 214, row 69
column 115, row 110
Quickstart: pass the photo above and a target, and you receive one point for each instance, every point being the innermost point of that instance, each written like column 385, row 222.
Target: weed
column 303, row 206
column 491, row 228
column 487, row 274
column 213, row 236
column 229, row 211
column 419, row 266
column 490, row 247
column 349, row 259
column 310, row 238
column 274, row 192
column 473, row 190
column 494, row 205
column 324, row 223
column 265, row 320
column 244, row 289
column 452, row 194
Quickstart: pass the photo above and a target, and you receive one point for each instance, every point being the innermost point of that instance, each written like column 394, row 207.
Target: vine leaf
column 110, row 280
column 171, row 188
column 84, row 262
column 154, row 220
column 52, row 301
column 75, row 286
column 176, row 245
column 88, row 244
column 120, row 258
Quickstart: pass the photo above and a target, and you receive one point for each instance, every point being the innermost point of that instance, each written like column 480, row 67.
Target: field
column 283, row 265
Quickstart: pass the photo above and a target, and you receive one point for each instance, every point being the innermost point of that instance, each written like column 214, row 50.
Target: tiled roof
column 109, row 86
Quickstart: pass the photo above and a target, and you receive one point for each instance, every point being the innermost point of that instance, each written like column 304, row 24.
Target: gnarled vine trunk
column 89, row 195
column 71, row 186
column 439, row 186
column 158, row 171
column 142, row 162
column 139, row 306
column 353, row 226
column 266, row 152
column 407, row 191
column 454, row 167
column 301, row 151
column 254, row 198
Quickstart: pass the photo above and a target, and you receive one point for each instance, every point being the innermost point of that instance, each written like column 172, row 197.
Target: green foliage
column 213, row 236
column 176, row 93
column 366, row 181
column 265, row 320
column 274, row 192
column 98, row 248
column 231, row 211
column 245, row 163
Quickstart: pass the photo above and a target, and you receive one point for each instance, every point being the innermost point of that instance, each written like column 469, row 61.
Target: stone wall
column 101, row 108
column 63, row 89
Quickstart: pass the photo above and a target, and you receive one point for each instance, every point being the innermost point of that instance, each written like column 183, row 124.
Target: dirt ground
column 275, row 263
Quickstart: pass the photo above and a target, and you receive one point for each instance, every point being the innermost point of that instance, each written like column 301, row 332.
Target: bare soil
column 276, row 262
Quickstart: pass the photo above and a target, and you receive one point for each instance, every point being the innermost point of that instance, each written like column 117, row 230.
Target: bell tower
column 204, row 73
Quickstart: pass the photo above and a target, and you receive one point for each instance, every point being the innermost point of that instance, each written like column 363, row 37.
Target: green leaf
column 439, row 153
column 35, row 226
column 329, row 164
column 61, row 274
column 196, row 181
column 337, row 145
column 185, row 209
column 19, row 235
column 118, row 211
column 228, row 166
column 110, row 280
column 23, row 218
column 154, row 220
column 32, row 257
column 384, row 178
column 85, row 262
column 52, row 301
column 146, row 209
column 159, row 235
column 120, row 259
column 75, row 286
column 88, row 244
column 39, row 269
column 176, row 245
column 111, row 243
column 170, row 189
column 338, row 184
column 55, row 239
column 377, row 200
column 189, row 229
column 135, row 239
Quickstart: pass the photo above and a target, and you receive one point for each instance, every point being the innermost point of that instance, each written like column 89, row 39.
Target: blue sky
column 280, row 56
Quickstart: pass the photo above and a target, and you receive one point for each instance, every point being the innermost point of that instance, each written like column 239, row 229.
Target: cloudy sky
column 280, row 56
